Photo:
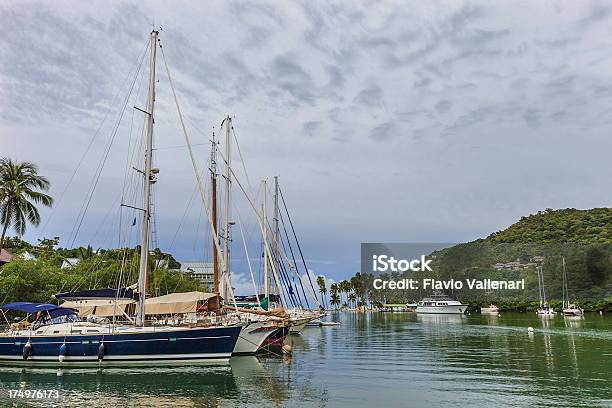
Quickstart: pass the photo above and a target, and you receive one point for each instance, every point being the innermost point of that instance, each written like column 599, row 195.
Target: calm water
column 387, row 359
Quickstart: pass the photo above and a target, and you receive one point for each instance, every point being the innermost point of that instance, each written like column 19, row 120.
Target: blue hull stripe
column 204, row 343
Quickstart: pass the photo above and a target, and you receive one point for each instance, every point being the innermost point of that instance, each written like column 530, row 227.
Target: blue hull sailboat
column 57, row 337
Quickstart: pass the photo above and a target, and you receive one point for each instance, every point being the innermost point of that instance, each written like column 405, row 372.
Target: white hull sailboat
column 569, row 309
column 544, row 310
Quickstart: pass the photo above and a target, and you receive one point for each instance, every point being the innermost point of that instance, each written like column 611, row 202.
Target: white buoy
column 499, row 315
column 530, row 329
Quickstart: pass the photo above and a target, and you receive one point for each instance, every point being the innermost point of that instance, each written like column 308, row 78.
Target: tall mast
column 265, row 228
column 213, row 180
column 228, row 185
column 277, row 249
column 148, row 179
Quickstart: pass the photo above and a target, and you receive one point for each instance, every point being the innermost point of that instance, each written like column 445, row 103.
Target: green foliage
column 583, row 238
column 37, row 281
column 555, row 226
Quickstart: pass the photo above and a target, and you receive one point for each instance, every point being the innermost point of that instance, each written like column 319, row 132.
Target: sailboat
column 57, row 337
column 258, row 329
column 569, row 309
column 544, row 310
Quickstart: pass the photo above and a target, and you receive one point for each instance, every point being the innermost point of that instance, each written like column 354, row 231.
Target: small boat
column 490, row 310
column 544, row 310
column 440, row 304
column 321, row 323
column 569, row 309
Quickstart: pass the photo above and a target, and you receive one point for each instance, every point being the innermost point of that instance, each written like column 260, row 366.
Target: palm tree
column 352, row 298
column 322, row 288
column 19, row 183
column 345, row 287
column 335, row 299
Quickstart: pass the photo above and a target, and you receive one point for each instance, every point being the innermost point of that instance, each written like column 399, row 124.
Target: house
column 69, row 263
column 5, row 257
column 202, row 271
column 26, row 256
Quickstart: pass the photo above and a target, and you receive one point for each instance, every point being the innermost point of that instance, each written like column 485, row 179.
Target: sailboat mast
column 265, row 222
column 565, row 288
column 228, row 185
column 213, row 181
column 277, row 249
column 144, row 246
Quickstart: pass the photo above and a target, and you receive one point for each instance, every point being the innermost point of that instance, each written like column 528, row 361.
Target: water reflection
column 381, row 358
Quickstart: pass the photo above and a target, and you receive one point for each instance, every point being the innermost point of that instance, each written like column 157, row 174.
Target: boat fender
column 62, row 352
column 101, row 351
column 27, row 350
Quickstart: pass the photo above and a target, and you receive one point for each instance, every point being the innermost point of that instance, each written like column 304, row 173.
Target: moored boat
column 440, row 304
column 490, row 310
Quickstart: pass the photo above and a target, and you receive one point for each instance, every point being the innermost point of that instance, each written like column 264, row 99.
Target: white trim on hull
column 131, row 360
column 441, row 309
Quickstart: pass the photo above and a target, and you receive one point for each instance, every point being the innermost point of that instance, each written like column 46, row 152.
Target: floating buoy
column 287, row 349
column 62, row 352
column 530, row 329
column 499, row 315
column 27, row 350
column 101, row 352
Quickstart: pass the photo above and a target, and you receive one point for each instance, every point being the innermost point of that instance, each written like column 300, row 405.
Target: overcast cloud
column 385, row 121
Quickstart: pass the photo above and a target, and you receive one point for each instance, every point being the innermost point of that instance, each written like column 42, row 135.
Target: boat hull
column 252, row 337
column 448, row 309
column 180, row 346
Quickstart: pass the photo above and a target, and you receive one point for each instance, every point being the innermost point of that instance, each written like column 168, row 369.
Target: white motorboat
column 490, row 310
column 440, row 304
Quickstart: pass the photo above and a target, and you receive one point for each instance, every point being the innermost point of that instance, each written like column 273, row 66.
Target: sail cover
column 174, row 303
column 29, row 307
column 108, row 293
column 99, row 307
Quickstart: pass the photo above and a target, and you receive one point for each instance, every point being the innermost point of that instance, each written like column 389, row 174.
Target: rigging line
column 96, row 133
column 129, row 149
column 298, row 243
column 242, row 161
column 262, row 225
column 180, row 224
column 103, row 161
column 291, row 251
column 195, row 166
column 246, row 252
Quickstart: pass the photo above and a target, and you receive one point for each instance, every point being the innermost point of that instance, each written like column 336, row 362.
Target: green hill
column 580, row 238
column 559, row 226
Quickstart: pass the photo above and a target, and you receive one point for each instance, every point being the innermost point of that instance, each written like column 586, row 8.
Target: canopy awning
column 30, row 307
column 99, row 307
column 174, row 303
column 108, row 293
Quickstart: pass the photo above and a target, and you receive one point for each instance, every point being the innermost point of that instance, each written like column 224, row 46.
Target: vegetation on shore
column 37, row 280
column 582, row 239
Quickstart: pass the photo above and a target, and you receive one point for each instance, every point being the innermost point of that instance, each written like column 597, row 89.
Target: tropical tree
column 322, row 288
column 352, row 298
column 344, row 287
column 335, row 298
column 19, row 192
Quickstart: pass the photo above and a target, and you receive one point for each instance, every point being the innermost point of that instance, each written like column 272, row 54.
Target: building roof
column 5, row 256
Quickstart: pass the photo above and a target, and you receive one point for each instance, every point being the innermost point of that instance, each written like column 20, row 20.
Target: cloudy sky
column 385, row 121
